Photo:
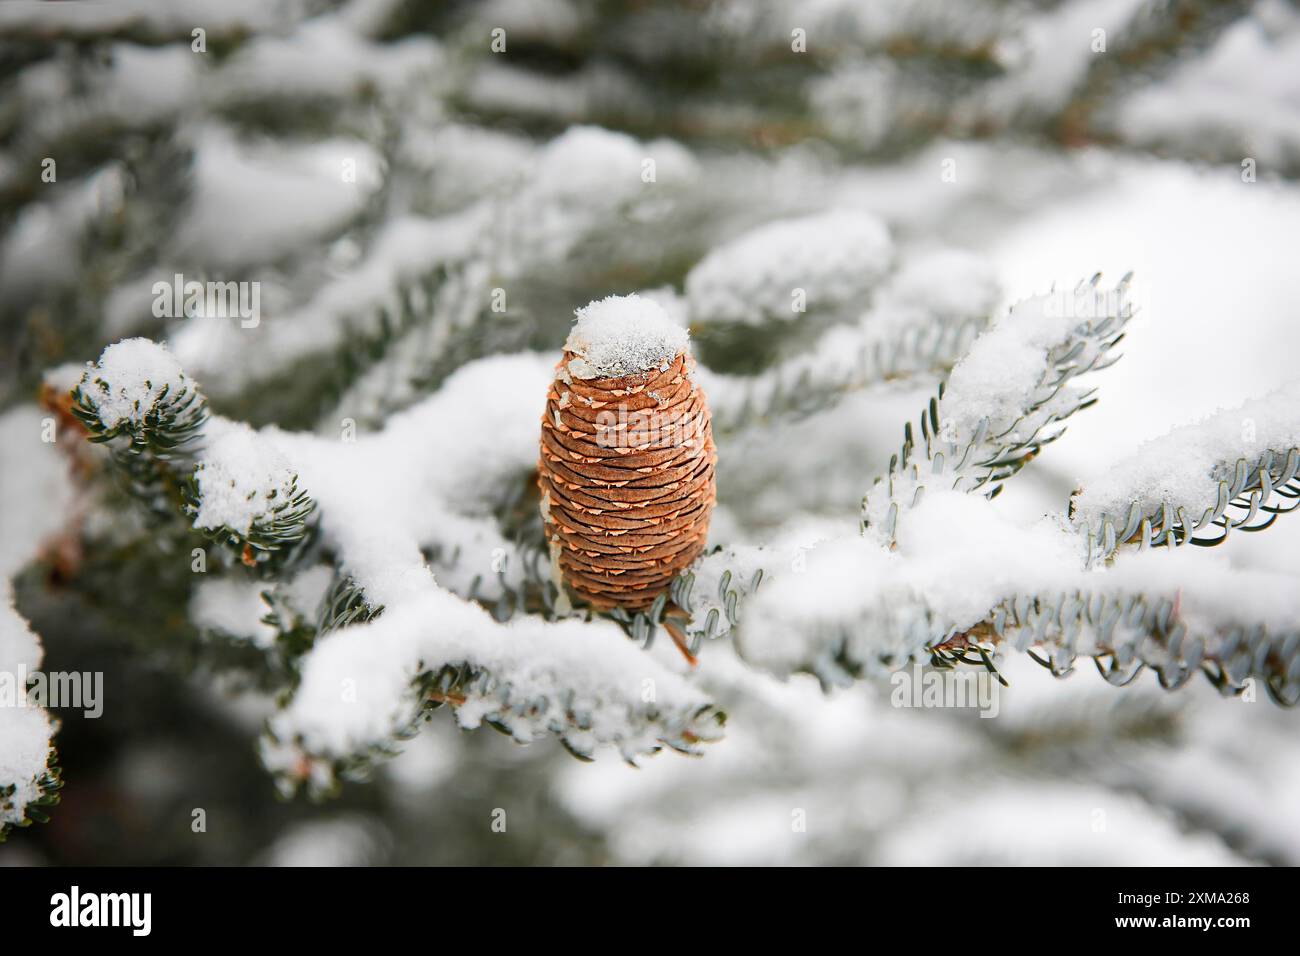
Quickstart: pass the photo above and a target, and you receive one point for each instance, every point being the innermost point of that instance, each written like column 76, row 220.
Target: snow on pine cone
column 627, row 456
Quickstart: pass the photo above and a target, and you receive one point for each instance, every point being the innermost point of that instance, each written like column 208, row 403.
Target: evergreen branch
column 799, row 387
column 859, row 610
column 1155, row 42
column 440, row 321
column 922, row 318
column 47, row 786
column 138, row 402
column 1124, row 633
column 261, row 630
column 571, row 679
column 344, row 604
column 245, row 494
column 531, row 678
column 1198, row 478
column 992, row 418
column 280, row 525
column 158, row 411
column 1269, row 486
column 523, row 580
column 781, row 271
column 241, row 492
column 712, row 592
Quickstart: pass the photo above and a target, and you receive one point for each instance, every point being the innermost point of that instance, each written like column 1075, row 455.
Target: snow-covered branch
column 781, row 271
column 33, row 506
column 922, row 318
column 964, row 585
column 1004, row 401
column 1237, row 470
column 367, row 686
column 382, row 501
column 956, row 582
column 139, row 403
column 1235, row 628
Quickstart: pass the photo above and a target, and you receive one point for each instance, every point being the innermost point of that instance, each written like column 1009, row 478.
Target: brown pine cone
column 627, row 456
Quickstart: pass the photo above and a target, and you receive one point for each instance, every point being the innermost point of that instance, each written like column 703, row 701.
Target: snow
column 584, row 181
column 1048, row 60
column 496, row 86
column 240, row 477
column 589, row 162
column 344, row 840
column 172, row 15
column 860, row 100
column 229, row 357
column 622, row 335
column 923, row 318
column 583, row 680
column 944, row 282
column 252, row 202
column 25, row 750
column 1071, row 823
column 835, row 257
column 466, row 162
column 146, row 83
column 130, row 379
column 429, row 478
column 232, row 608
column 955, row 559
column 1000, row 378
column 1183, row 468
column 1241, row 99
column 44, row 246
column 325, row 57
column 34, row 501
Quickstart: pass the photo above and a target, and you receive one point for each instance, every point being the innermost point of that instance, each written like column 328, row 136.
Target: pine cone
column 627, row 455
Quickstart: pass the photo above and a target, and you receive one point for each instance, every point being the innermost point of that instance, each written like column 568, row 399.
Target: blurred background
column 337, row 152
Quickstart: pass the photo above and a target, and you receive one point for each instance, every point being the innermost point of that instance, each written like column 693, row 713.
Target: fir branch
column 1268, row 486
column 48, row 786
column 830, row 260
column 922, row 319
column 138, row 402
column 440, row 319
column 988, row 422
column 1124, row 633
column 571, row 679
column 344, row 604
column 280, row 525
column 245, row 494
column 1236, row 471
column 712, row 592
column 798, row 387
column 158, row 410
